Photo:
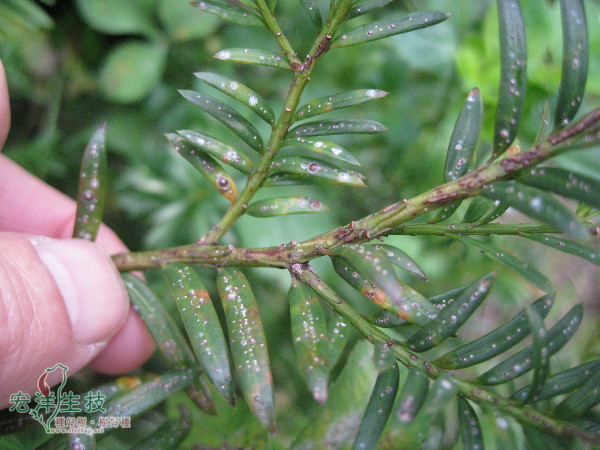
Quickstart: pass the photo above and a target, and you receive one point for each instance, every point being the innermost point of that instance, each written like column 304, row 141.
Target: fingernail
column 91, row 287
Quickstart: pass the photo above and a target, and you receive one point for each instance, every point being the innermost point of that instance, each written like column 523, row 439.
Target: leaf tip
column 320, row 397
column 223, row 55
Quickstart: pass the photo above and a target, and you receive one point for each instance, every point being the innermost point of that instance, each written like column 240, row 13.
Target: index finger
column 28, row 205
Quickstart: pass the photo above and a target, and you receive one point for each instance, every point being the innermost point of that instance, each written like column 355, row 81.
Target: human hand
column 61, row 300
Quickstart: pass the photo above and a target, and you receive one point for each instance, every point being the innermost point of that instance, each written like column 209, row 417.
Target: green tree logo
column 47, row 400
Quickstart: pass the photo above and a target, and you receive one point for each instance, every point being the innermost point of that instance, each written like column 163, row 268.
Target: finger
column 61, row 301
column 29, row 205
column 118, row 356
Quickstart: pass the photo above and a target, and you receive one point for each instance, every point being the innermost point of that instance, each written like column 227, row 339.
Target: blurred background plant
column 72, row 64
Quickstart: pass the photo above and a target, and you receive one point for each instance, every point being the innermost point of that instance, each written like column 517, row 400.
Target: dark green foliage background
column 65, row 78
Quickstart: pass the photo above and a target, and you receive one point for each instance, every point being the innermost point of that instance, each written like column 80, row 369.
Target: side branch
column 389, row 220
column 302, row 73
column 524, row 414
column 282, row 256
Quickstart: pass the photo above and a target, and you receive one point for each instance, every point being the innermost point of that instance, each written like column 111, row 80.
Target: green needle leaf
column 446, row 298
column 408, row 304
column 375, row 265
column 562, row 382
column 588, row 253
column 230, row 13
column 290, row 179
column 575, row 61
column 545, row 124
column 470, row 430
column 206, row 165
column 451, row 318
column 462, row 145
column 248, row 345
column 477, row 209
column 564, row 182
column 402, row 260
column 522, row 362
column 147, row 395
column 339, row 332
column 168, row 435
column 219, row 150
column 495, row 342
column 324, row 147
column 383, row 357
column 537, row 205
column 541, row 356
column 169, row 340
column 309, row 332
column 464, row 137
column 513, row 74
column 378, row 409
column 253, row 56
column 409, row 402
column 498, row 209
column 484, row 210
column 338, row 101
column 164, row 331
column 337, row 421
column 317, row 168
column 390, row 26
column 365, row 7
column 410, row 436
column 510, row 262
column 581, row 400
column 313, row 11
column 446, row 212
column 282, row 206
column 337, row 126
column 200, row 393
column 91, row 194
column 502, row 429
column 227, row 116
column 239, row 92
column 202, row 325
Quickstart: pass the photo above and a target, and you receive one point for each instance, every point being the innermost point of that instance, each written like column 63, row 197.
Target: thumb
column 60, row 302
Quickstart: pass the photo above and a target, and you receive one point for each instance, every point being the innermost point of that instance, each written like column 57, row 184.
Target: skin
column 35, row 324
